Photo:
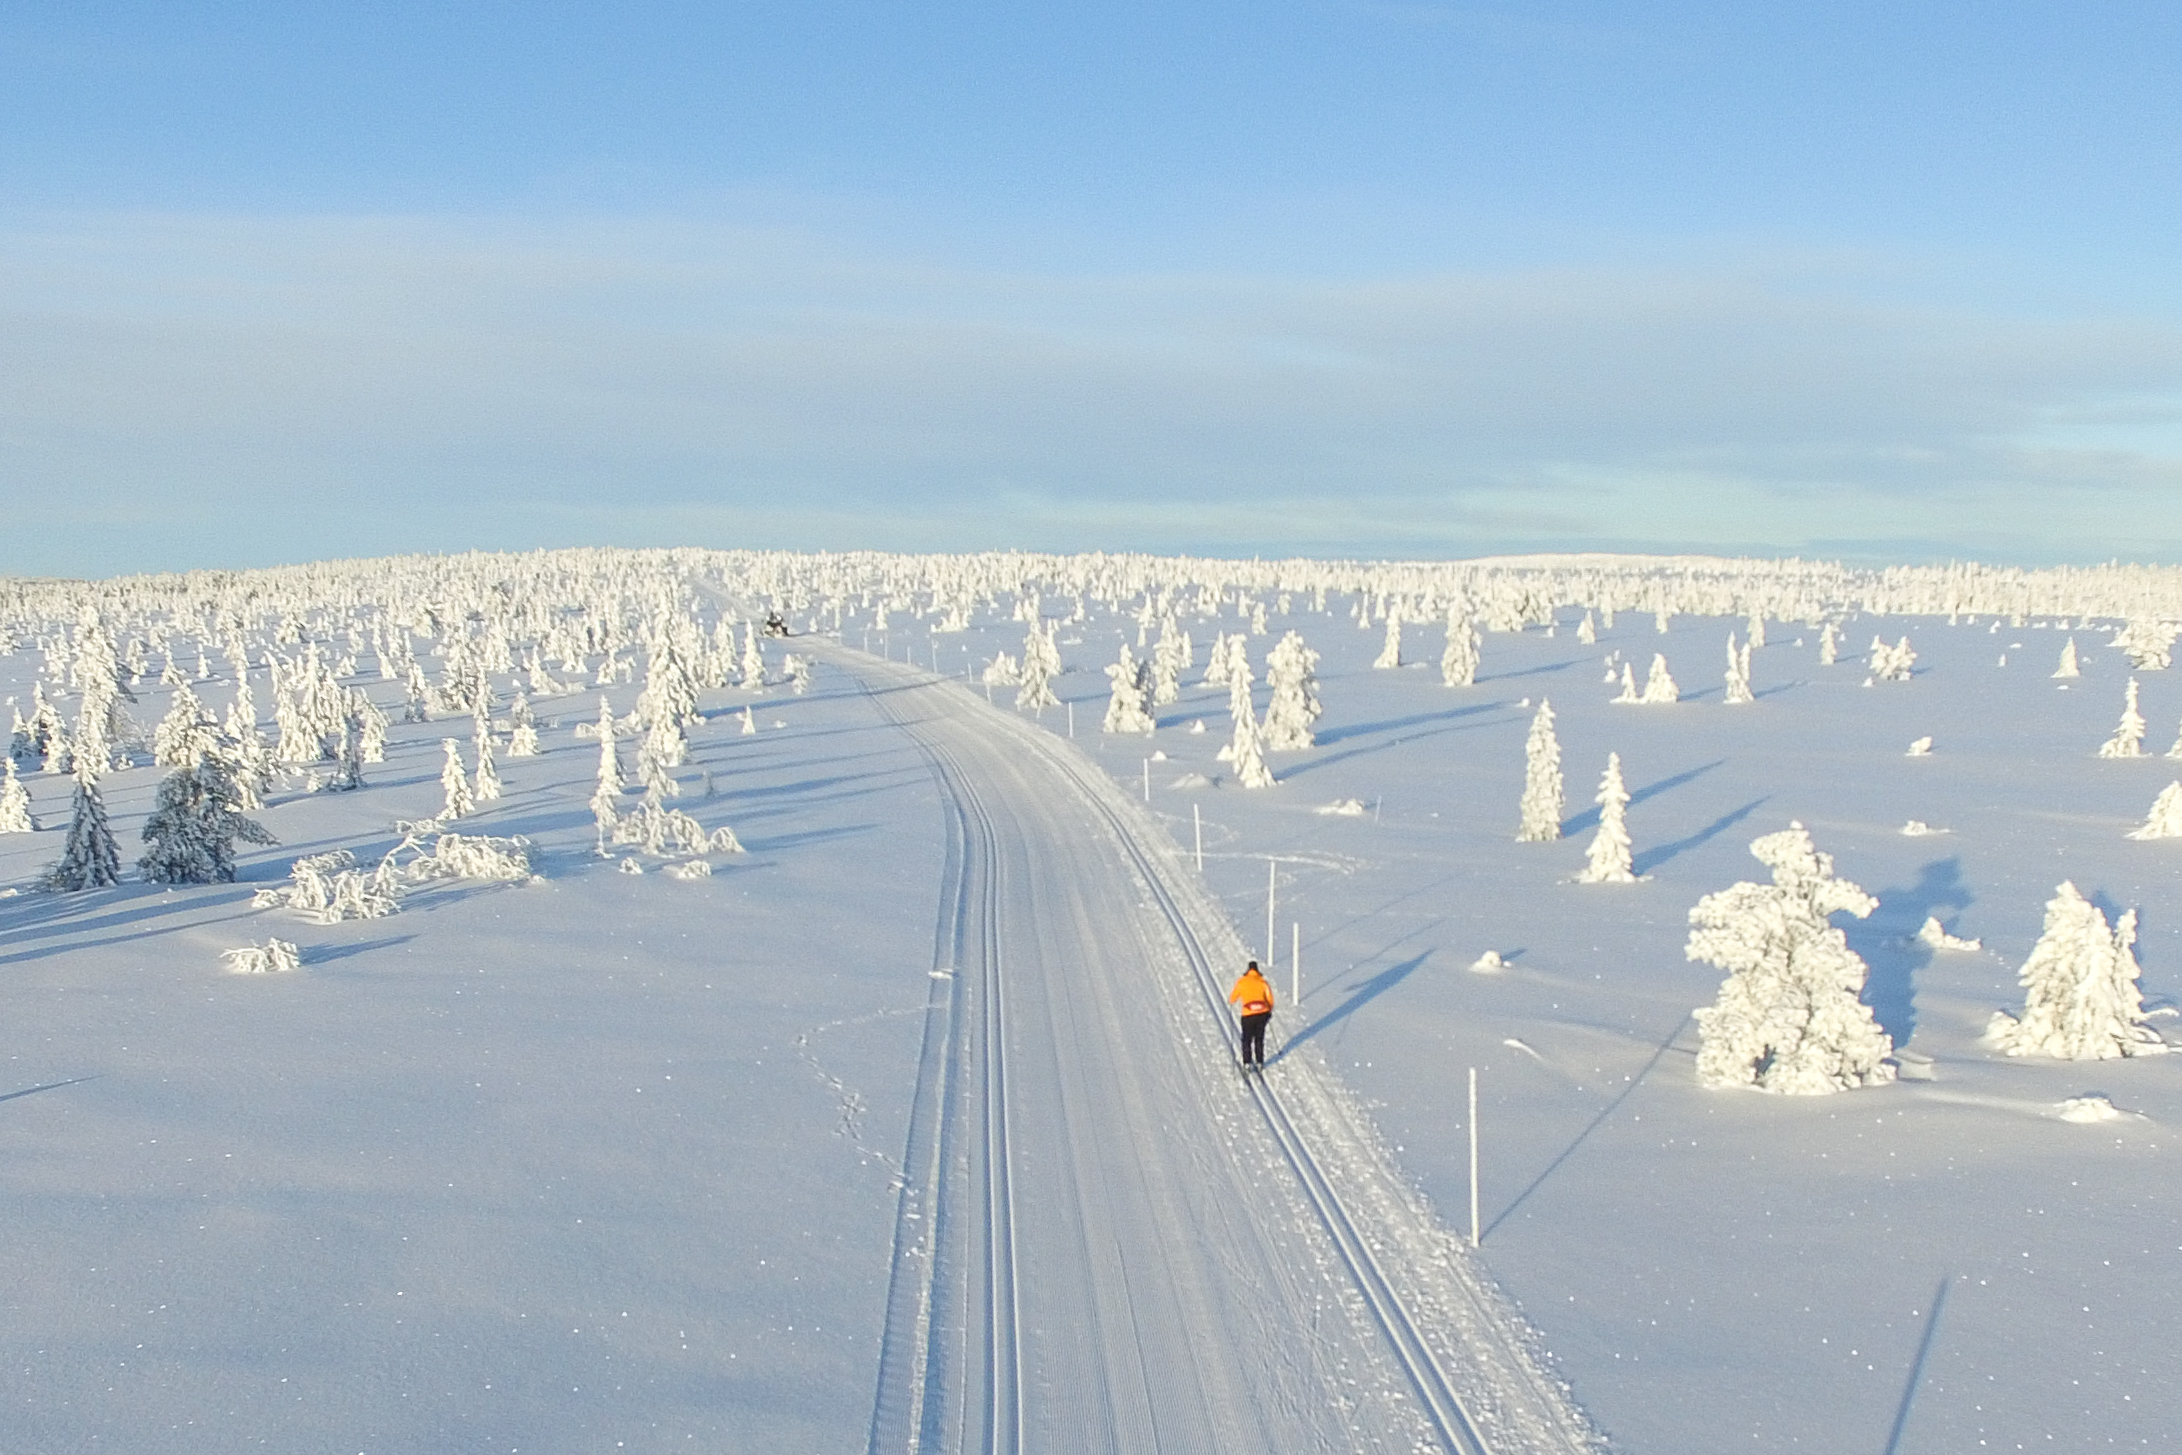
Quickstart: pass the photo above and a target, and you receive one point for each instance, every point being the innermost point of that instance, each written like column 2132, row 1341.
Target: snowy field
column 607, row 1160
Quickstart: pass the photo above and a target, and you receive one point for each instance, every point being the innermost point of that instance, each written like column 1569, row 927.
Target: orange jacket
column 1251, row 994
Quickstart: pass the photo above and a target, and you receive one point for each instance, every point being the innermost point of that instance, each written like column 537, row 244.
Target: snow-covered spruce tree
column 1829, row 646
column 1041, row 664
column 173, row 743
column 418, row 695
column 1628, row 693
column 1216, row 661
column 1246, row 754
column 1125, row 709
column 15, row 815
column 2128, row 738
column 195, row 822
column 1587, row 631
column 1608, row 860
column 1738, row 692
column 349, row 762
column 454, row 782
column 1459, row 660
column 1542, row 790
column 371, row 725
column 1293, row 710
column 485, row 786
column 753, row 659
column 610, row 780
column 1756, row 635
column 1390, row 654
column 90, row 859
column 1788, row 1018
column 2068, row 667
column 661, row 750
column 1659, row 687
column 2163, row 822
column 799, row 673
column 2080, row 996
column 523, row 729
column 1171, row 657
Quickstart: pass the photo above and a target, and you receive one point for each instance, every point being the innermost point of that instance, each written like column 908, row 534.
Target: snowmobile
column 774, row 626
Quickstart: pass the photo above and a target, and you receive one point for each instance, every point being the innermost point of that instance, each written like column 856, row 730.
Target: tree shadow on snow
column 1326, row 762
column 1888, row 944
column 1589, row 818
column 1334, row 735
column 321, row 954
column 1652, row 858
column 1361, row 996
column 1537, row 671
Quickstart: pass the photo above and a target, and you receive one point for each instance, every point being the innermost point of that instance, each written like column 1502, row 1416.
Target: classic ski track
column 1503, row 1398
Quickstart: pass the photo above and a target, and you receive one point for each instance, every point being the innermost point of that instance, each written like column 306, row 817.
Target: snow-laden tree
column 1756, row 635
column 798, row 668
column 2128, row 738
column 454, row 782
column 1125, row 709
column 173, row 740
column 370, row 724
column 1628, row 693
column 1829, row 646
column 1659, row 686
column 1216, row 661
column 15, row 815
column 610, row 781
column 753, row 660
column 1172, row 655
column 90, row 859
column 196, row 821
column 1459, row 660
column 2081, row 1001
column 1788, row 1018
column 1738, row 674
column 2068, row 667
column 43, row 735
column 1587, row 631
column 349, row 762
column 1892, row 664
column 485, row 785
column 1390, row 653
column 2165, row 819
column 1293, row 710
column 1041, row 664
column 523, row 729
column 1245, row 753
column 1543, row 798
column 1608, row 860
column 2148, row 644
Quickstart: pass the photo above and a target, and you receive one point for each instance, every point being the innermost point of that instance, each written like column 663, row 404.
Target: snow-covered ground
column 610, row 1159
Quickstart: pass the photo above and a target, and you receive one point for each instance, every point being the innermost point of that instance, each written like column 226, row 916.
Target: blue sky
column 1887, row 282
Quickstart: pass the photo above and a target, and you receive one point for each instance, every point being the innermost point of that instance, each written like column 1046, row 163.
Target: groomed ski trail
column 1109, row 1240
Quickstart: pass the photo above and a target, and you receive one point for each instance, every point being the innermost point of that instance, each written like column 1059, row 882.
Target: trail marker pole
column 1072, row 718
column 1295, row 964
column 1474, row 1238
column 1147, row 780
column 1197, row 822
column 1271, row 868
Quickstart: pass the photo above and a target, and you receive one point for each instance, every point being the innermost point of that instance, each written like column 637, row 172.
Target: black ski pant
column 1254, row 1038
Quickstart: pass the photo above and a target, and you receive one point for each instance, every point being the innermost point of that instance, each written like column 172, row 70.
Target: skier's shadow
column 1888, row 943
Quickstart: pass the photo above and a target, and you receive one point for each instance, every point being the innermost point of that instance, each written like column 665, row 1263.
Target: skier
column 1254, row 998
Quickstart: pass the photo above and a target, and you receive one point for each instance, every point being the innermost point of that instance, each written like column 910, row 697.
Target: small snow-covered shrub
column 1342, row 808
column 467, row 856
column 1934, row 934
column 1488, row 963
column 329, row 888
column 1917, row 828
column 665, row 831
column 2087, row 1109
column 271, row 957
column 1892, row 664
column 691, row 869
column 2149, row 645
column 1788, row 1018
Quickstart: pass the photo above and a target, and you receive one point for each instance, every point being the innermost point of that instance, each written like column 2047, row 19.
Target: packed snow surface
column 524, row 1154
